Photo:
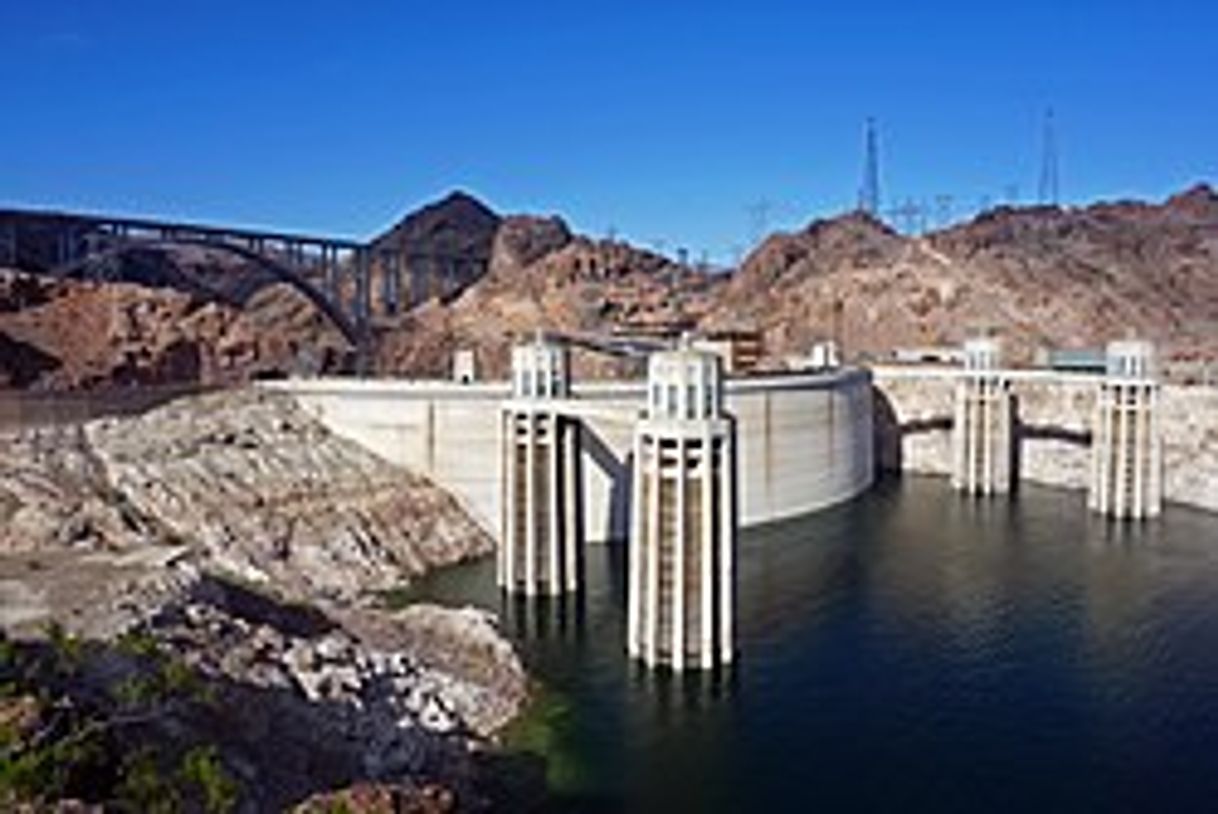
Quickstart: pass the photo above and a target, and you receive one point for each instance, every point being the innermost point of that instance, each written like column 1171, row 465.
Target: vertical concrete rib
column 1106, row 451
column 680, row 481
column 706, row 560
column 635, row 548
column 1120, row 502
column 507, row 457
column 571, row 498
column 987, row 437
column 554, row 453
column 1156, row 456
column 653, row 552
column 1139, row 453
column 530, row 490
column 727, row 554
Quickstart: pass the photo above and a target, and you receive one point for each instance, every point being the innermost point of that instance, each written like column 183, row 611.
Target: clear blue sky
column 663, row 120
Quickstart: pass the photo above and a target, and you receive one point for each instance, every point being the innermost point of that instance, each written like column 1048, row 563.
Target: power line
column 943, row 208
column 908, row 217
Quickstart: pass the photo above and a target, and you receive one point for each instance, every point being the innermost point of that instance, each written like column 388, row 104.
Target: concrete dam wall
column 1053, row 425
column 804, row 440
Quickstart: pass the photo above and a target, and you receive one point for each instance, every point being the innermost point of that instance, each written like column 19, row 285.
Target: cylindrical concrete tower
column 542, row 518
column 683, row 517
column 1127, row 447
column 981, row 433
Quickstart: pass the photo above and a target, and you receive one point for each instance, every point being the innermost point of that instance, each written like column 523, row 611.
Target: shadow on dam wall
column 891, row 435
column 620, row 474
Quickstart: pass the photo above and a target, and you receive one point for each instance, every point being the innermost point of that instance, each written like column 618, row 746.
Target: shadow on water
column 544, row 618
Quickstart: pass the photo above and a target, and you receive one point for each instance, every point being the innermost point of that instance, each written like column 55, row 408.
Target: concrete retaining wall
column 1053, row 429
column 805, row 441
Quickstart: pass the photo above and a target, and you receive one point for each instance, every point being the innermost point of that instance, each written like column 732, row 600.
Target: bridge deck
column 166, row 226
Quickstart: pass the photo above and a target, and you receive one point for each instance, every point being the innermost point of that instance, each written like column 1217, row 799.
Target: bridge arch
column 281, row 272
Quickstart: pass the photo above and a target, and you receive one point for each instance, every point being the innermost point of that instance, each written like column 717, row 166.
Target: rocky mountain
column 1040, row 277
column 544, row 277
column 457, row 225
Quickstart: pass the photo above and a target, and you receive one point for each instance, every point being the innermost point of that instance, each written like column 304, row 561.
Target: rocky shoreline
column 233, row 543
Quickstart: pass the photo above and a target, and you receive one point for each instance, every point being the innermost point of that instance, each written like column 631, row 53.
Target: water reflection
column 544, row 618
column 910, row 650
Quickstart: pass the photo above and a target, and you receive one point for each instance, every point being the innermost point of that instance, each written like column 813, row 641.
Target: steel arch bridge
column 338, row 275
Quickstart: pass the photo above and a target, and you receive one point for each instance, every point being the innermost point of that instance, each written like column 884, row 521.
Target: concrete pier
column 981, row 431
column 1127, row 446
column 539, row 474
column 681, row 603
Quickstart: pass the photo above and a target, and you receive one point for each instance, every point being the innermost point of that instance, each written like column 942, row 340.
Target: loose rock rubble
column 388, row 713
column 303, row 700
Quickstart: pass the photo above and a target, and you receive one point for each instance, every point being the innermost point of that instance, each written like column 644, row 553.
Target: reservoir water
column 911, row 651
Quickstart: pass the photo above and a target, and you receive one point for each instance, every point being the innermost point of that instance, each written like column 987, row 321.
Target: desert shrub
column 202, row 771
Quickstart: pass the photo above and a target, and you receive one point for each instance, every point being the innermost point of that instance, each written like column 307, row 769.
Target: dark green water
column 911, row 651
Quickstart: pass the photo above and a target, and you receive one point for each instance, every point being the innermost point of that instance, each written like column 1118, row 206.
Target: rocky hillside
column 1040, row 277
column 544, row 277
column 457, row 225
column 248, row 482
column 73, row 335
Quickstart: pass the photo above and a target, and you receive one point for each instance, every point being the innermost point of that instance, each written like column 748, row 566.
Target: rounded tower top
column 540, row 369
column 684, row 384
column 1130, row 359
column 982, row 353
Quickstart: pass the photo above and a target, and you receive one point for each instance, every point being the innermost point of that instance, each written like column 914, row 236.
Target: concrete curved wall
column 804, row 440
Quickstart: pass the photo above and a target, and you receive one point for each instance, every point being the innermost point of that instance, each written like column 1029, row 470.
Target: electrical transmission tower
column 909, row 217
column 943, row 209
column 869, row 193
column 1048, row 164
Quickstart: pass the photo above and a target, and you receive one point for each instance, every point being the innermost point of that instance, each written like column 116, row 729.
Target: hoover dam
column 805, row 439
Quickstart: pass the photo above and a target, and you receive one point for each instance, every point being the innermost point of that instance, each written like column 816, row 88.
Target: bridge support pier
column 1127, row 446
column 982, row 448
column 681, row 607
column 331, row 276
column 539, row 460
column 363, row 289
column 391, row 283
